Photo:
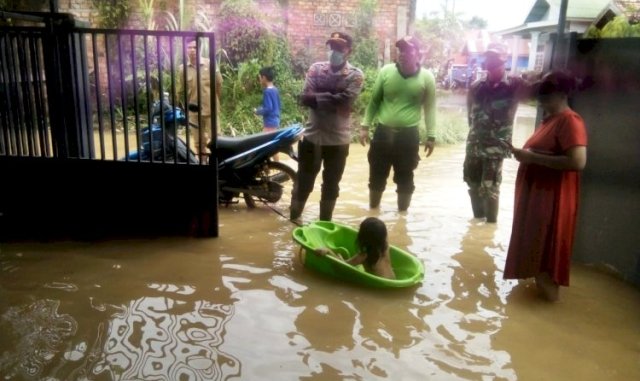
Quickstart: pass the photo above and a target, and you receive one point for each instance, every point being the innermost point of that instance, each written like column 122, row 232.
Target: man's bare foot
column 548, row 288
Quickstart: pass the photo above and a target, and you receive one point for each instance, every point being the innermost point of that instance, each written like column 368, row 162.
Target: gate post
column 67, row 88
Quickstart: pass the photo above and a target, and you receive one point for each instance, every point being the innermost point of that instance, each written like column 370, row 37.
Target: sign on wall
column 334, row 19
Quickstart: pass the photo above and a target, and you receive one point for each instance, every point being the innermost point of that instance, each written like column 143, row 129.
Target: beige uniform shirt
column 205, row 89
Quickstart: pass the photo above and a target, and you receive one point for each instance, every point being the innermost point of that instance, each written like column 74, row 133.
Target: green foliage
column 300, row 62
column 476, row 23
column 250, row 45
column 148, row 13
column 361, row 103
column 616, row 28
column 241, row 93
column 243, row 32
column 451, row 127
column 112, row 13
column 592, row 32
column 202, row 22
column 365, row 51
column 444, row 37
column 619, row 27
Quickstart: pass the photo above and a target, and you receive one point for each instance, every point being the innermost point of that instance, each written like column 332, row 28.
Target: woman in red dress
column 547, row 191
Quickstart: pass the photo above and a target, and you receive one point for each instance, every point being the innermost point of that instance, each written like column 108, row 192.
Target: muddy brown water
column 241, row 307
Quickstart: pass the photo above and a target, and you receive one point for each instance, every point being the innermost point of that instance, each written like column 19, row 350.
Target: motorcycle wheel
column 279, row 179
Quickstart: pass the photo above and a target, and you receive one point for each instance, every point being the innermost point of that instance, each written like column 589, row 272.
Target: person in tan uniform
column 201, row 136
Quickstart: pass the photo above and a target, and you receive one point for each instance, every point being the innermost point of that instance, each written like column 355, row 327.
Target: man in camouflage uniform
column 491, row 105
column 330, row 89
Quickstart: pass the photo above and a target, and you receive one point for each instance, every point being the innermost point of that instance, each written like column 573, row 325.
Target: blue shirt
column 270, row 109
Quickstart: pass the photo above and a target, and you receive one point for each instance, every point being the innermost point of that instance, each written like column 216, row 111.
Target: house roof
column 547, row 10
column 545, row 14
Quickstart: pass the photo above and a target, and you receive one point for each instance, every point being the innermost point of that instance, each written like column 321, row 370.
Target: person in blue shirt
column 270, row 108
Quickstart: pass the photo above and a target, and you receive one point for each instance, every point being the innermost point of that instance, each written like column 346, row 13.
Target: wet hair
column 372, row 239
column 268, row 73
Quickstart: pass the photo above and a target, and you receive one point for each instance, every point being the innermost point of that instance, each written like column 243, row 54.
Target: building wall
column 610, row 202
column 306, row 23
column 311, row 22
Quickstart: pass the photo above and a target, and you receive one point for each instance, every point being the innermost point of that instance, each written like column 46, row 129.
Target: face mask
column 336, row 58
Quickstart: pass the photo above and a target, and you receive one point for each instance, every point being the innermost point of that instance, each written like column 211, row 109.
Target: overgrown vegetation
column 619, row 27
column 451, row 126
column 251, row 43
column 112, row 13
column 365, row 50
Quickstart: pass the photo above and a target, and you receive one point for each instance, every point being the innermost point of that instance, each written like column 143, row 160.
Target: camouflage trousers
column 483, row 175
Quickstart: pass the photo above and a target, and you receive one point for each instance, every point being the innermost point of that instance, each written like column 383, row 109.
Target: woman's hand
column 574, row 159
column 522, row 155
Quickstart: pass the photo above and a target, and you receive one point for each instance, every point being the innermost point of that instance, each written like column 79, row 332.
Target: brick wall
column 307, row 23
column 311, row 22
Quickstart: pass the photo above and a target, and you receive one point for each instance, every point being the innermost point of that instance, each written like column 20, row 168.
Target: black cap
column 340, row 39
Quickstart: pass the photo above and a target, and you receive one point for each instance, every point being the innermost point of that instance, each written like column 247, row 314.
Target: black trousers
column 312, row 157
column 393, row 147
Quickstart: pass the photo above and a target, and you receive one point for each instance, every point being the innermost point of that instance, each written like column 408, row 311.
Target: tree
column 476, row 23
column 443, row 37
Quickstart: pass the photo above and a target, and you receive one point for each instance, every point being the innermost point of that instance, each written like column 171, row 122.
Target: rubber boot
column 404, row 200
column 326, row 209
column 491, row 209
column 295, row 211
column 477, row 204
column 374, row 199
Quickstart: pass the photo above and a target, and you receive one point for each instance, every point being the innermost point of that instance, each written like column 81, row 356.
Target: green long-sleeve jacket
column 399, row 101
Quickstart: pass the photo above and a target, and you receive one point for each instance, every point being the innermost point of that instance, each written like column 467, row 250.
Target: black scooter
column 245, row 164
column 246, row 167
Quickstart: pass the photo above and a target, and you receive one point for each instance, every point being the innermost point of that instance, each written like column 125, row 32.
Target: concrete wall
column 610, row 199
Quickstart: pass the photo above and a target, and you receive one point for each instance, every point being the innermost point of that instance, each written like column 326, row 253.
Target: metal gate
column 71, row 93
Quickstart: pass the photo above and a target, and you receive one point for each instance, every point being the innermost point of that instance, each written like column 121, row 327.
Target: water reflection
column 38, row 334
column 166, row 339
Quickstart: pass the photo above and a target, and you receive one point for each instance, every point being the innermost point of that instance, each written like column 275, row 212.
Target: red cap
column 497, row 51
column 409, row 42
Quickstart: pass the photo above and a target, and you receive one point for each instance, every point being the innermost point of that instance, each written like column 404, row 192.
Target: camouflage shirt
column 491, row 110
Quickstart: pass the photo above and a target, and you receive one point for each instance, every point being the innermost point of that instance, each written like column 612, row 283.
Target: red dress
column 546, row 204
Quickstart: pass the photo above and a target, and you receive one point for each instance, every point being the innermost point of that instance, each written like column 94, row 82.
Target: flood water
column 241, row 306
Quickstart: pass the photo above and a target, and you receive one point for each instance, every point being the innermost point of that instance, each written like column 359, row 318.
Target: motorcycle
column 161, row 144
column 245, row 165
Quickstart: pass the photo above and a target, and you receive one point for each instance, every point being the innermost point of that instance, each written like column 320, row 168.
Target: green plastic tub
column 341, row 239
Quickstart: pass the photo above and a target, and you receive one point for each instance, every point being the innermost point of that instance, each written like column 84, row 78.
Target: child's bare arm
column 323, row 251
column 357, row 259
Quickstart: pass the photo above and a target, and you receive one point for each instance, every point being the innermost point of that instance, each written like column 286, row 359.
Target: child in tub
column 373, row 249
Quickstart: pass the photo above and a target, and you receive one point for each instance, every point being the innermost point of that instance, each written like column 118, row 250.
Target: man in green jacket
column 401, row 93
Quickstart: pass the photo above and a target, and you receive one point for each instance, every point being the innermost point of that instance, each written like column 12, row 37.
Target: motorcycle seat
column 234, row 145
